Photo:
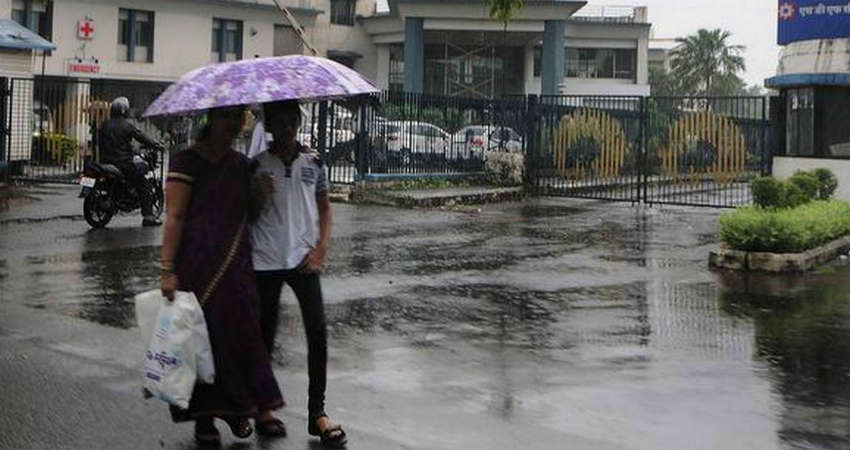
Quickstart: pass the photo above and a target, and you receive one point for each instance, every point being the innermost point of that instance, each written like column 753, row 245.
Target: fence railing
column 683, row 150
column 52, row 124
column 678, row 150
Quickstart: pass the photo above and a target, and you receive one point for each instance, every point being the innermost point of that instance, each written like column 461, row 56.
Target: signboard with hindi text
column 803, row 20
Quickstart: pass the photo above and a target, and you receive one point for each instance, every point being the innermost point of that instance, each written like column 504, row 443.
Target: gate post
column 643, row 178
column 766, row 157
column 532, row 113
column 5, row 125
column 323, row 130
column 360, row 157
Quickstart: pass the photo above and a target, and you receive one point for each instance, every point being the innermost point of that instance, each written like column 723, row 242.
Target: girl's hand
column 168, row 285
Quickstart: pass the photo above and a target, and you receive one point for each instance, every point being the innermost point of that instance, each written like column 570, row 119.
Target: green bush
column 807, row 183
column 768, row 192
column 828, row 183
column 801, row 188
column 793, row 196
column 61, row 147
column 791, row 230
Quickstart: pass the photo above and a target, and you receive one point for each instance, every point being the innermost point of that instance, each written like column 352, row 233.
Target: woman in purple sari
column 206, row 250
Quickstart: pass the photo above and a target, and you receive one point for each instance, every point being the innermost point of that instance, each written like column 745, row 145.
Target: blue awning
column 808, row 79
column 16, row 36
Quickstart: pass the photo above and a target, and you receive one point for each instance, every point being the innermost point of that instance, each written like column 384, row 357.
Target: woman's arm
column 177, row 196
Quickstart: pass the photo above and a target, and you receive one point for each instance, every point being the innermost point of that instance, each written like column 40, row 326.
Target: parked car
column 473, row 141
column 416, row 139
column 340, row 139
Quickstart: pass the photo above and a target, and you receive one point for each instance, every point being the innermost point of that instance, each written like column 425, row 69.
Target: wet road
column 548, row 324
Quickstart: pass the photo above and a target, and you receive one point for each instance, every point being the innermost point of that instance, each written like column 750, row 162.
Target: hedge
column 790, row 230
column 801, row 188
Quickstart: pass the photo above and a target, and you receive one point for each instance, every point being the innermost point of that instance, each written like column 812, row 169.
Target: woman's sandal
column 270, row 428
column 332, row 436
column 207, row 435
column 239, row 426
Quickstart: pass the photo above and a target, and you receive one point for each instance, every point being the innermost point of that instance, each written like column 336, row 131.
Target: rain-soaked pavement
column 547, row 324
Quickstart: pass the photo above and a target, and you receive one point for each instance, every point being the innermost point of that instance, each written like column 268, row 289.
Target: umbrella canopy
column 260, row 80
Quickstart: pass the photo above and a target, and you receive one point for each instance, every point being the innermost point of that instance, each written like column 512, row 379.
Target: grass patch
column 433, row 183
column 791, row 230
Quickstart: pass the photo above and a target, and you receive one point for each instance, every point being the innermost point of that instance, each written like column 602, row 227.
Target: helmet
column 120, row 107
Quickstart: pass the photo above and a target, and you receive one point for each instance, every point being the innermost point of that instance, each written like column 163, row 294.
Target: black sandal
column 207, row 435
column 239, row 426
column 270, row 428
column 331, row 437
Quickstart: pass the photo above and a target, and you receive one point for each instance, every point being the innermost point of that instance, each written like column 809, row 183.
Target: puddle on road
column 803, row 334
column 97, row 286
column 796, row 338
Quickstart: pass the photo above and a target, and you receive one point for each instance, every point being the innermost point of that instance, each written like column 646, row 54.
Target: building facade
column 813, row 79
column 444, row 47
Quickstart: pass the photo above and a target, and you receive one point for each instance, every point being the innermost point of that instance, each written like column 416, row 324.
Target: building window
column 135, row 35
column 601, row 63
column 342, row 12
column 226, row 40
column 594, row 63
column 37, row 15
column 396, row 78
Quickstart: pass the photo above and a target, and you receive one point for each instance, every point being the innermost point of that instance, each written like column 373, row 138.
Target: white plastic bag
column 178, row 351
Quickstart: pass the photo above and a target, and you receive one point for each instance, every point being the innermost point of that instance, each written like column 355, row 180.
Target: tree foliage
column 504, row 10
column 705, row 61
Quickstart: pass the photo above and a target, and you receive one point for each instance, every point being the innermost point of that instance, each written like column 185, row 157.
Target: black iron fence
column 413, row 134
column 588, row 147
column 704, row 151
column 51, row 124
column 678, row 150
column 674, row 150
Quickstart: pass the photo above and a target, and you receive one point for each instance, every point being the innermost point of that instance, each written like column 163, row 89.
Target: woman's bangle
column 166, row 267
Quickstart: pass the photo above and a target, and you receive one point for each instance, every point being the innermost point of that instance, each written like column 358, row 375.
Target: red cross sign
column 85, row 30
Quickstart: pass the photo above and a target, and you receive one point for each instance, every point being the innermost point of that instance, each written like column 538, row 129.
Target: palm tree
column 504, row 10
column 702, row 58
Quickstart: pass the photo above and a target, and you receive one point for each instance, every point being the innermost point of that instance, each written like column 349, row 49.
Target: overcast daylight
column 425, row 224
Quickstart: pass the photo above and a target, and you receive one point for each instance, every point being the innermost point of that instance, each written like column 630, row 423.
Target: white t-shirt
column 259, row 140
column 288, row 226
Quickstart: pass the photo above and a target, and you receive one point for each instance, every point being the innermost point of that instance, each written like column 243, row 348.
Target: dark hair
column 284, row 106
column 206, row 123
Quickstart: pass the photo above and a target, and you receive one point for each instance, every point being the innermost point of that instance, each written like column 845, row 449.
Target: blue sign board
column 802, row 20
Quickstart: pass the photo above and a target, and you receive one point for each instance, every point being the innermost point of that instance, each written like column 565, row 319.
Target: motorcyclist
column 116, row 143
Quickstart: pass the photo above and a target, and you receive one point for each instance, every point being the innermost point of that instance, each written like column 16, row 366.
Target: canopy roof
column 16, row 36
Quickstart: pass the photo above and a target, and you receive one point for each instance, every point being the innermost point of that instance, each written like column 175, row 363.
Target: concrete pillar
column 642, row 61
column 382, row 78
column 552, row 60
column 414, row 55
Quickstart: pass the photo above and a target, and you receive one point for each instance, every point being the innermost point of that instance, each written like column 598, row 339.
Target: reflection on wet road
column 595, row 316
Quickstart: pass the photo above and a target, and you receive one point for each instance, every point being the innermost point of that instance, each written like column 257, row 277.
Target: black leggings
column 308, row 290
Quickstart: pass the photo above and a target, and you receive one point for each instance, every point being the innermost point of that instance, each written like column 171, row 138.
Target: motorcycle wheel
column 95, row 214
column 158, row 199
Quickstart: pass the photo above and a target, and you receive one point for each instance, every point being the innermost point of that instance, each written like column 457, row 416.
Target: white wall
column 181, row 35
column 815, row 56
column 5, row 9
column 784, row 167
column 382, row 81
column 582, row 86
column 16, row 64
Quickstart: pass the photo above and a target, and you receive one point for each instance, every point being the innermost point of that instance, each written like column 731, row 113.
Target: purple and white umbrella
column 260, row 80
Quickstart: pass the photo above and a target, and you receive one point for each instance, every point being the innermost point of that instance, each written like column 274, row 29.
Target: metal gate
column 50, row 124
column 656, row 150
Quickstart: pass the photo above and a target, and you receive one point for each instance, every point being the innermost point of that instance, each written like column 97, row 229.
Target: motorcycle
column 105, row 191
